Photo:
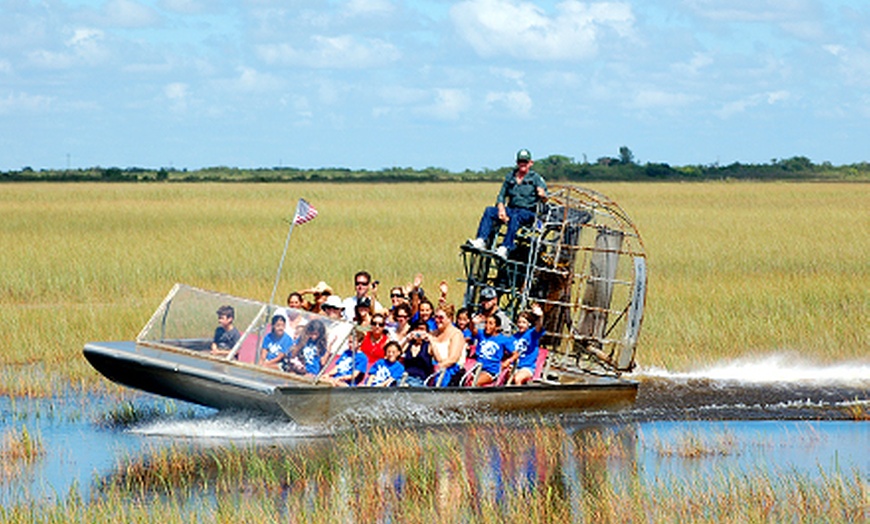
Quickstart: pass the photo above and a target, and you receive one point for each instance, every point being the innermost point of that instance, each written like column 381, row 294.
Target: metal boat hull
column 228, row 385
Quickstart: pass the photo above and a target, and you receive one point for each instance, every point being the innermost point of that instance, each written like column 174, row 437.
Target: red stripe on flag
column 305, row 212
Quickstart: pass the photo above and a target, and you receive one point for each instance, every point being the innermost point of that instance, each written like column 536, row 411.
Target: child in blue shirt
column 525, row 344
column 276, row 344
column 387, row 371
column 492, row 346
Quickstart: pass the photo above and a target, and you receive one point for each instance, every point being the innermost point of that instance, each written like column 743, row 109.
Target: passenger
column 492, row 347
column 489, row 307
column 463, row 322
column 516, row 204
column 416, row 358
column 331, row 307
column 363, row 312
column 387, row 371
column 375, row 341
column 320, row 293
column 424, row 314
column 307, row 357
column 294, row 300
column 397, row 298
column 448, row 350
column 226, row 336
column 362, row 286
column 402, row 315
column 525, row 344
column 276, row 344
column 349, row 369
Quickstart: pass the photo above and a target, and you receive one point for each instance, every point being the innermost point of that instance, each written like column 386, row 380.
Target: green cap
column 524, row 155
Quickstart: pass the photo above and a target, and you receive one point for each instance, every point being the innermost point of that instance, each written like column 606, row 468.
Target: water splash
column 777, row 368
column 229, row 426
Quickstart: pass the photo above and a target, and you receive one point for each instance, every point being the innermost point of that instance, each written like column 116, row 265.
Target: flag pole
column 284, row 254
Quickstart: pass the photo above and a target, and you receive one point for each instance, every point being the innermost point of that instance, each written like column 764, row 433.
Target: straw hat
column 322, row 287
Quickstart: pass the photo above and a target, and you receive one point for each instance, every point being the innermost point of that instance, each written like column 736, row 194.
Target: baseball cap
column 524, row 155
column 487, row 293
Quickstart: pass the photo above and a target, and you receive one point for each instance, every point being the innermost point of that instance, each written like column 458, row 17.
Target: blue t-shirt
column 491, row 351
column 311, row 357
column 277, row 346
column 348, row 362
column 526, row 345
column 384, row 370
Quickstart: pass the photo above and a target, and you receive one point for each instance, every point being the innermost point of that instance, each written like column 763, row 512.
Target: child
column 226, row 336
column 525, row 344
column 349, row 368
column 307, row 357
column 492, row 346
column 463, row 322
column 276, row 344
column 388, row 370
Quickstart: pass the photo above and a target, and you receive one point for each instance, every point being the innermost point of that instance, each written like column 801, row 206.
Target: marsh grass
column 490, row 474
column 736, row 269
column 18, row 448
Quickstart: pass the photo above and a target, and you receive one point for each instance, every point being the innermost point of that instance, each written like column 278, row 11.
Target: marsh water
column 766, row 414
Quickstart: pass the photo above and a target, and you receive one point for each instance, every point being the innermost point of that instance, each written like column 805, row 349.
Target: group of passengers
column 412, row 342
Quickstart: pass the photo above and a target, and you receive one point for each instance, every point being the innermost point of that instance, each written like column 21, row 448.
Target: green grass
column 736, row 269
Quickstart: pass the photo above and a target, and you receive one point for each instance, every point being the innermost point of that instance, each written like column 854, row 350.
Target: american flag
column 305, row 212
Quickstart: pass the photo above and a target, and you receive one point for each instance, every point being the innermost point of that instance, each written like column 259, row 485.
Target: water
column 772, row 414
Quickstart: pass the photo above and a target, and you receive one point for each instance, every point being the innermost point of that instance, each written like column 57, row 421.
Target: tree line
column 623, row 167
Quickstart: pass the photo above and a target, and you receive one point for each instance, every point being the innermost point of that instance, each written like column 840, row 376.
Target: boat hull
column 228, row 385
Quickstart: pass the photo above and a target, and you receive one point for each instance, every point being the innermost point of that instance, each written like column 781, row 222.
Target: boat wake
column 775, row 387
column 777, row 368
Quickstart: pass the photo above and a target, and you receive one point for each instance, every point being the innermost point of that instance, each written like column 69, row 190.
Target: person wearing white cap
column 515, row 205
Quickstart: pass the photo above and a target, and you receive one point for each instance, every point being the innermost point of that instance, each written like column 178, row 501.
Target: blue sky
column 384, row 83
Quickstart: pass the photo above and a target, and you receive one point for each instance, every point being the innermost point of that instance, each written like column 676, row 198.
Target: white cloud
column 84, row 47
column 740, row 106
column 23, row 102
column 656, row 98
column 340, row 52
column 523, row 30
column 517, row 103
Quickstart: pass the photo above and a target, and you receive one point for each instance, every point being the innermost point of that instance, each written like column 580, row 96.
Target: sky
column 373, row 84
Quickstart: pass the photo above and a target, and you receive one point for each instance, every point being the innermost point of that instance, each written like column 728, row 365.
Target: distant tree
column 626, row 156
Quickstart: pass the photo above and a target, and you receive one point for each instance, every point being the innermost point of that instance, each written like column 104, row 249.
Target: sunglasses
column 440, row 317
column 397, row 295
column 361, row 283
column 378, row 324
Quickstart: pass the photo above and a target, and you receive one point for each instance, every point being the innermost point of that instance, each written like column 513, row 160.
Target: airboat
column 582, row 261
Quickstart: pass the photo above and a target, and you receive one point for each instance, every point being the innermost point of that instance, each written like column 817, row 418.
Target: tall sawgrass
column 736, row 269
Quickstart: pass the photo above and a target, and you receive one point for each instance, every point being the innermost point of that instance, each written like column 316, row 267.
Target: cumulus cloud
column 523, row 30
column 339, row 52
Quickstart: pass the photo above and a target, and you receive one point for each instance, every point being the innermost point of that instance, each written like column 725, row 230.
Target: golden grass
column 736, row 269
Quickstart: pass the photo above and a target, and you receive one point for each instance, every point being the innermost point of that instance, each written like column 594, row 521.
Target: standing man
column 362, row 282
column 515, row 205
